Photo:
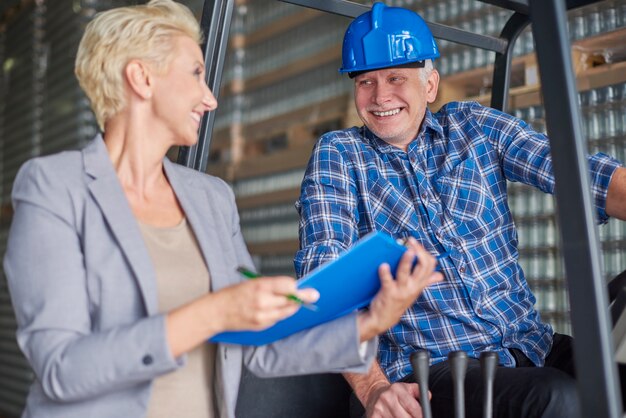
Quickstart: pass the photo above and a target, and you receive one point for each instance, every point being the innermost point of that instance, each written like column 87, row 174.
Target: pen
column 249, row 274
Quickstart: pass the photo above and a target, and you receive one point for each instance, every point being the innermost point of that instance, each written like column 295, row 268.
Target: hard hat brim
column 397, row 63
column 410, row 64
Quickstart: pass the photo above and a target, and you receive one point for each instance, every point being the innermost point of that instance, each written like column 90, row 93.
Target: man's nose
column 382, row 93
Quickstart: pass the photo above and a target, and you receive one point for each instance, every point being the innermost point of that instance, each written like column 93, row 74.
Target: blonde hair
column 117, row 36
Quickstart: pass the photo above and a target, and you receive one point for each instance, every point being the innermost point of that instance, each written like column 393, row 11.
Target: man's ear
column 139, row 78
column 432, row 86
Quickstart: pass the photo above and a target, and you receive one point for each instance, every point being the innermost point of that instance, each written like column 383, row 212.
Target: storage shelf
column 274, row 247
column 265, row 199
column 590, row 74
column 301, row 16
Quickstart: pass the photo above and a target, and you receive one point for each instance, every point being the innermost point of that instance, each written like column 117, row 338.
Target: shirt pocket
column 390, row 206
column 468, row 200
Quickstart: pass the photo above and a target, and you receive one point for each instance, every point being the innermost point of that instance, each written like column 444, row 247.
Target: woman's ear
column 139, row 78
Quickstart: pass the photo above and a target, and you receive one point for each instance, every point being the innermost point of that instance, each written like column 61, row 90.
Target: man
column 441, row 178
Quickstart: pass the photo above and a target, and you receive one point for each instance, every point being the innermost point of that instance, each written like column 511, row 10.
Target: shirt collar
column 430, row 122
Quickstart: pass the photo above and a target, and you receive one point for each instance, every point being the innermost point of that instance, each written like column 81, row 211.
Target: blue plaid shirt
column 449, row 191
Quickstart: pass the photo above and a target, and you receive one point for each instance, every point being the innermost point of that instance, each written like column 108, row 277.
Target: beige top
column 182, row 276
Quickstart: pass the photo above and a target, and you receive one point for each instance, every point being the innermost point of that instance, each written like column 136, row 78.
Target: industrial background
column 280, row 91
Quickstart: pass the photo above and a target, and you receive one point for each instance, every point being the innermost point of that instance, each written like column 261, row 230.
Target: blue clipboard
column 348, row 283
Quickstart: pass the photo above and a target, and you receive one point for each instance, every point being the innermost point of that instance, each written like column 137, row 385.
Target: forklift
column 592, row 320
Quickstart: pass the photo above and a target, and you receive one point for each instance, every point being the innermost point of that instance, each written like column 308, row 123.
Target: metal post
column 598, row 384
column 502, row 67
column 215, row 23
column 463, row 37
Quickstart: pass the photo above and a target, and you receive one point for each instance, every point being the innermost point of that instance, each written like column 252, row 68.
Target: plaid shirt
column 448, row 191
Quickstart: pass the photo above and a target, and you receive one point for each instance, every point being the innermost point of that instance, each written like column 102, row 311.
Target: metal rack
column 598, row 382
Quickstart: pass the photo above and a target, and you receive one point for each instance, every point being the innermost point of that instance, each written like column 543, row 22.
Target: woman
column 121, row 264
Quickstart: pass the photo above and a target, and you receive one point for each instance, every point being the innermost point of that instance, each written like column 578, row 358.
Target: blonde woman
column 121, row 264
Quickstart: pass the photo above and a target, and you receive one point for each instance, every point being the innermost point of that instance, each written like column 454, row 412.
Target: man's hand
column 398, row 400
column 382, row 399
column 395, row 296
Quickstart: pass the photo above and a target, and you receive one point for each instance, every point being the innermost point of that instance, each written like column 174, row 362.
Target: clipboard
column 345, row 284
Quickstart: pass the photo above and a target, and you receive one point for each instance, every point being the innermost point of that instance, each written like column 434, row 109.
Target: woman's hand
column 254, row 304
column 395, row 296
column 259, row 303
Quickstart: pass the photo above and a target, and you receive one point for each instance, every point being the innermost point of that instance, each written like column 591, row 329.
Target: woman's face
column 180, row 95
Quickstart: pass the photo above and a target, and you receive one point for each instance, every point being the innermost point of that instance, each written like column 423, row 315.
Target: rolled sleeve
column 327, row 208
column 602, row 168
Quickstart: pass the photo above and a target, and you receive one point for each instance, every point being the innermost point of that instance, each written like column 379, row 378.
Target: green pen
column 249, row 274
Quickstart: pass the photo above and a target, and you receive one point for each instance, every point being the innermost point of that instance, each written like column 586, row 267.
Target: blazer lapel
column 107, row 191
column 201, row 215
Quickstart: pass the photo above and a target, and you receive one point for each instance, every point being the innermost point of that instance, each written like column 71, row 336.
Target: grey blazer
column 84, row 291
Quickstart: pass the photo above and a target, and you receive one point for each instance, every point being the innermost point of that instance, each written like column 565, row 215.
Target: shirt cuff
column 602, row 168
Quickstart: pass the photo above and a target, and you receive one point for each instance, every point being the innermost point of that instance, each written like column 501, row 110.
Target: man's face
column 392, row 102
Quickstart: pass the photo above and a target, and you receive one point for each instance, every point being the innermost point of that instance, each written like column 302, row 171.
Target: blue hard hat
column 386, row 37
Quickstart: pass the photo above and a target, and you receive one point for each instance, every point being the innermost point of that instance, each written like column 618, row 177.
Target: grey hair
column 426, row 70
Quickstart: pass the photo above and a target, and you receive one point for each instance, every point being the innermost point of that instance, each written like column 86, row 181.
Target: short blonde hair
column 117, row 36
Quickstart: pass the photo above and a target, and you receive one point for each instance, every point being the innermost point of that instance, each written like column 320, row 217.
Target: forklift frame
column 597, row 378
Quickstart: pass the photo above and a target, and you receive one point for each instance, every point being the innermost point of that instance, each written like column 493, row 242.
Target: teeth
column 387, row 113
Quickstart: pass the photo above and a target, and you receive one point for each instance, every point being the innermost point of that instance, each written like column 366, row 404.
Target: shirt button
column 479, row 311
column 147, row 360
column 462, row 269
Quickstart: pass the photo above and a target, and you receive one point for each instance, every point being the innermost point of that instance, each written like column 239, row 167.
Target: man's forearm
column 367, row 385
column 616, row 195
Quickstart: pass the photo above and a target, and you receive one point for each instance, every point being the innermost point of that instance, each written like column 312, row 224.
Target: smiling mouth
column 196, row 116
column 386, row 113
